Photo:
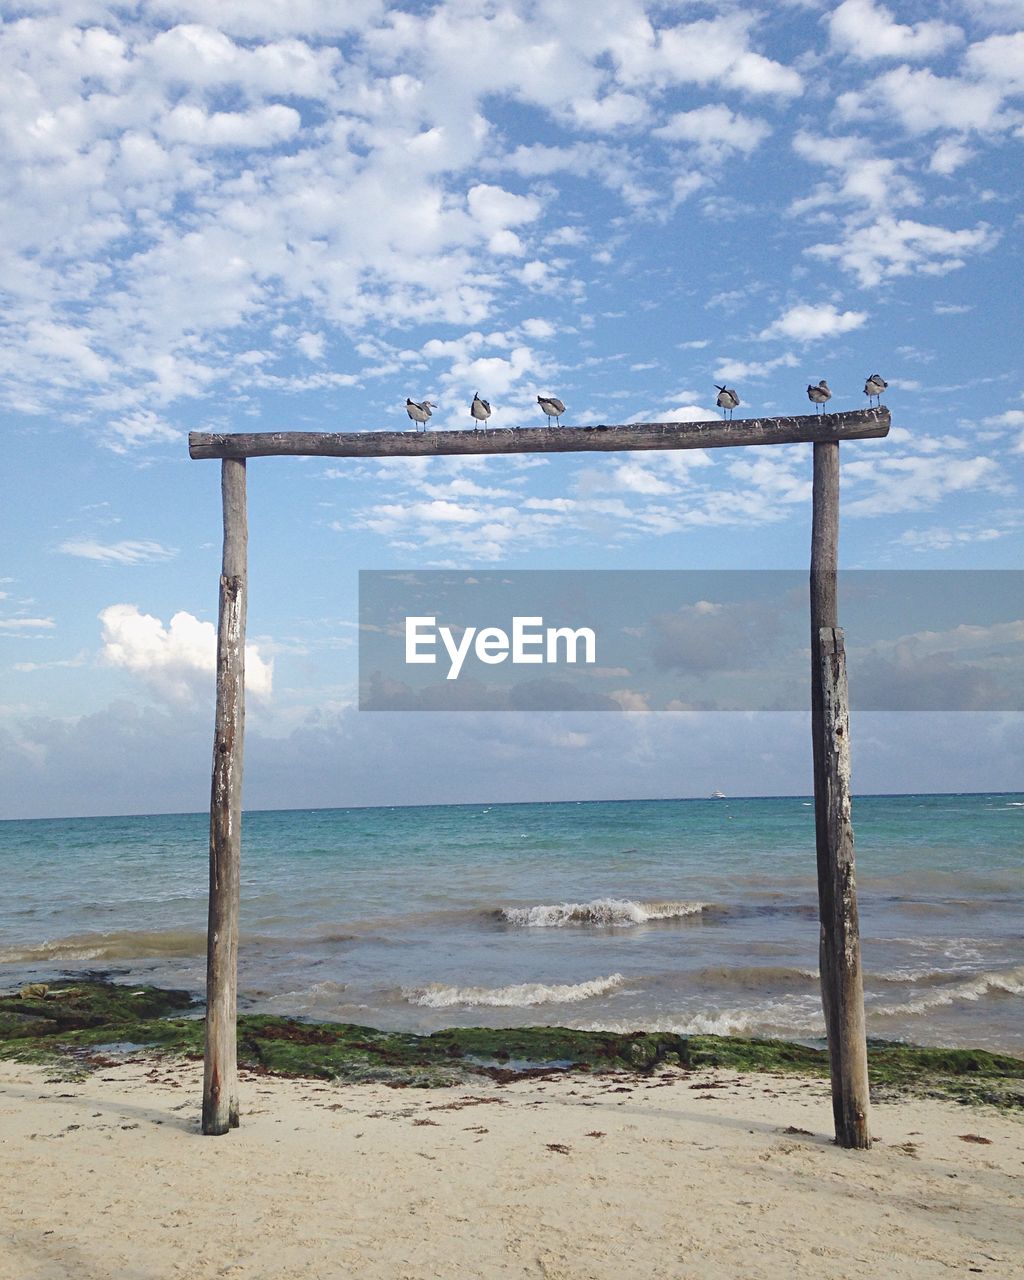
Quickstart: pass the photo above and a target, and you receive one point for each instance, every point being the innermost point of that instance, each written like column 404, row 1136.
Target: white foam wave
column 128, row 945
column 1008, row 981
column 618, row 912
column 523, row 995
column 773, row 1020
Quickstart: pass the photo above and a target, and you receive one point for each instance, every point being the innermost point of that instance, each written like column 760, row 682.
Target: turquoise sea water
column 690, row 915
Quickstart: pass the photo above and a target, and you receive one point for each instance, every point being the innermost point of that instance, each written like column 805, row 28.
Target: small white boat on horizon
column 717, row 795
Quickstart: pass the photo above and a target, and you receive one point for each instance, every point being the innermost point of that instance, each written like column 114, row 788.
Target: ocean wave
column 617, row 912
column 1004, row 982
column 523, row 995
column 109, row 946
column 758, row 977
column 921, row 977
column 787, row 1020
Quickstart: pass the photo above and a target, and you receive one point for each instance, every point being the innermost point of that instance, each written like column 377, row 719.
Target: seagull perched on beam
column 819, row 394
column 480, row 409
column 874, row 387
column 552, row 406
column 419, row 412
column 727, row 399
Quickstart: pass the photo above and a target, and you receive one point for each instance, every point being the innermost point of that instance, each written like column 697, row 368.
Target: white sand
column 109, row 1178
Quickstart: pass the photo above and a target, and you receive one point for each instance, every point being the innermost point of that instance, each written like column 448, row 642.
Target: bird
column 819, row 394
column 727, row 399
column 552, row 406
column 480, row 409
column 874, row 387
column 419, row 412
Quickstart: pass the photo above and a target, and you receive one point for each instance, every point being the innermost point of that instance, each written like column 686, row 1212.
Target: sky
column 256, row 216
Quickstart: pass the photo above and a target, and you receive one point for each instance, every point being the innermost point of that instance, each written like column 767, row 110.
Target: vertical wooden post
column 839, row 948
column 841, row 970
column 220, row 1075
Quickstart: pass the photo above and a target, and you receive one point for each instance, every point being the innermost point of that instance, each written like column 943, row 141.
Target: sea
column 692, row 916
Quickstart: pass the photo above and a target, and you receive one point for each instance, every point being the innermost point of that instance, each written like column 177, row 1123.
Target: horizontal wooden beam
column 859, row 424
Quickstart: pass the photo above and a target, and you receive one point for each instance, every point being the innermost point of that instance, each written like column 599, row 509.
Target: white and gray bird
column 480, row 409
column 552, row 406
column 419, row 412
column 874, row 387
column 727, row 399
column 819, row 394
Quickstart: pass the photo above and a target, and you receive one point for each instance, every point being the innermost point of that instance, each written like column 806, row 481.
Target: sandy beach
column 683, row 1174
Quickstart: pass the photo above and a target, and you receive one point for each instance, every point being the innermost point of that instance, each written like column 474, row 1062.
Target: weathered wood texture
column 839, row 993
column 220, row 1076
column 841, row 972
column 860, row 424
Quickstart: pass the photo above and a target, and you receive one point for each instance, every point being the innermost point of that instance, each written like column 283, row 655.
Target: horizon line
column 466, row 804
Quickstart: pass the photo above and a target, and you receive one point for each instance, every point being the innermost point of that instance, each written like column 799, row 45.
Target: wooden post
column 220, row 1076
column 842, row 991
column 857, row 424
column 840, row 951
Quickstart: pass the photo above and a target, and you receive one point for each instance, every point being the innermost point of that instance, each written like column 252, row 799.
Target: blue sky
column 263, row 216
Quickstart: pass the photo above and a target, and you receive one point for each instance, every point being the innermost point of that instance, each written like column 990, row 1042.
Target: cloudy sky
column 261, row 215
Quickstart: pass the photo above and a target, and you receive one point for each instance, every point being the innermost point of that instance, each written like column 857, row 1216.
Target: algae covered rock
column 73, row 1019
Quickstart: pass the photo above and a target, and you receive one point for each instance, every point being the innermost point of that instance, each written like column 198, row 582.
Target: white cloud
column 685, row 184
column 709, row 51
column 774, row 480
column 685, row 413
column 177, row 661
column 868, row 31
column 891, row 247
column 924, row 102
column 736, row 370
column 999, row 58
column 262, row 18
column 261, row 127
column 70, row 345
column 716, row 130
column 614, row 111
column 939, row 538
column 912, row 483
column 964, row 638
column 949, row 155
column 311, row 345
column 806, row 322
column 57, row 664
column 493, row 377
column 495, row 208
column 17, row 625
column 140, row 427
column 868, row 177
column 506, row 242
column 631, row 701
column 539, row 328
column 198, row 55
column 124, row 552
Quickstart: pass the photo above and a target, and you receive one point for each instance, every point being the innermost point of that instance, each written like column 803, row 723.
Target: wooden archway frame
column 842, row 985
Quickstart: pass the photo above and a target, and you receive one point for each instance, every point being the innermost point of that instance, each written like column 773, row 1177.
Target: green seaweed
column 74, row 1024
column 92, row 1002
